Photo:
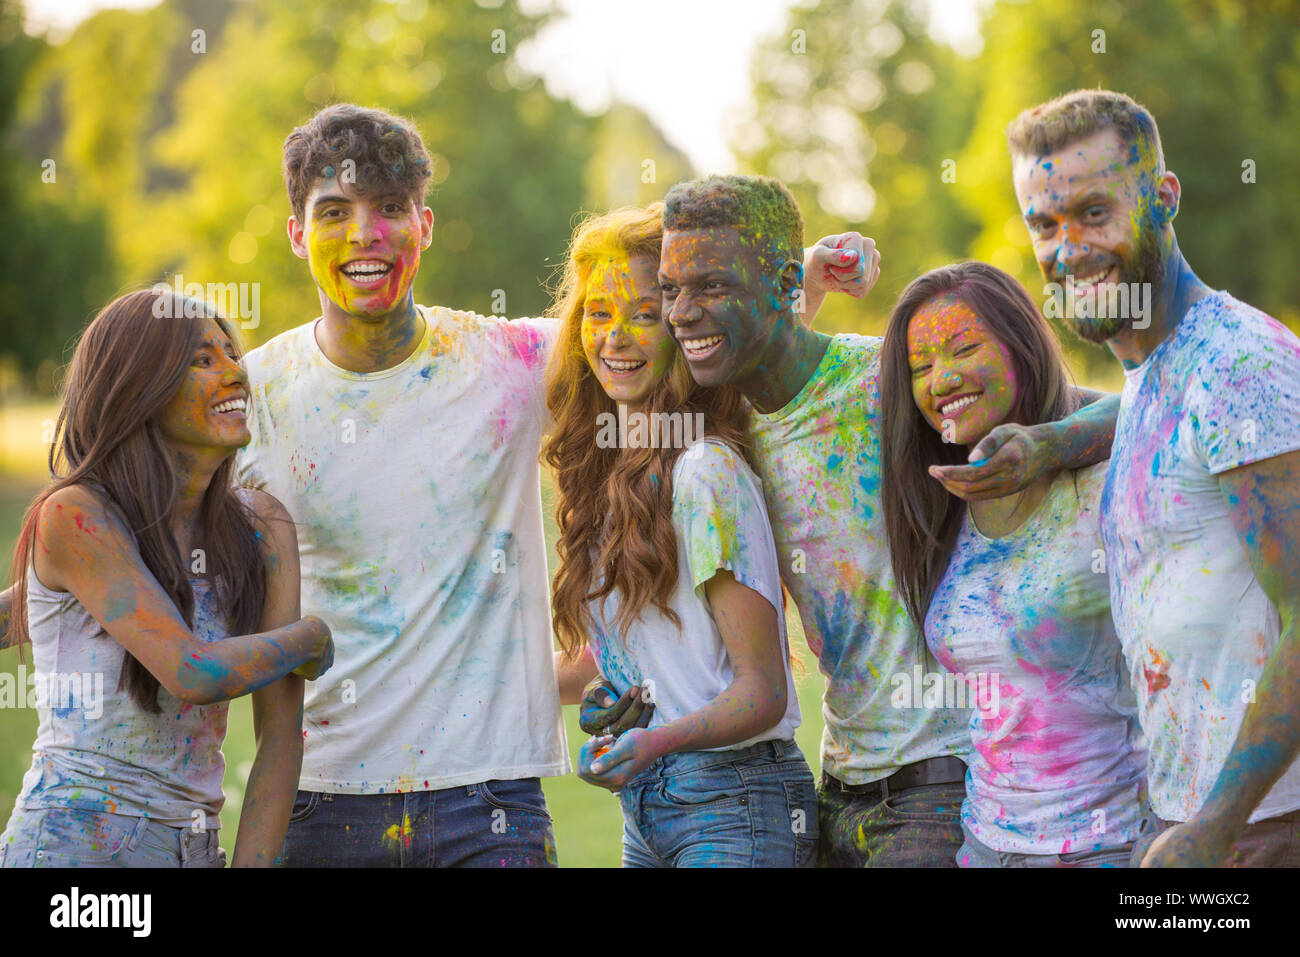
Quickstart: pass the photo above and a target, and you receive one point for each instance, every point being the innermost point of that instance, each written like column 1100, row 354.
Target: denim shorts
column 752, row 807
column 489, row 824
column 67, row 837
column 974, row 853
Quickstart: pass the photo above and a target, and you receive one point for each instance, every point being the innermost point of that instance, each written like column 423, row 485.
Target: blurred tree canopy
column 57, row 259
column 164, row 129
column 167, row 127
column 863, row 114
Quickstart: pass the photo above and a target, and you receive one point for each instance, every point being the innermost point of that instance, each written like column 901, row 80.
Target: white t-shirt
column 721, row 523
column 1221, row 392
column 1057, row 762
column 416, row 496
column 819, row 461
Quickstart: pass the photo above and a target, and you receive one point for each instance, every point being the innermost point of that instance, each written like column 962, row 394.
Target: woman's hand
column 627, row 757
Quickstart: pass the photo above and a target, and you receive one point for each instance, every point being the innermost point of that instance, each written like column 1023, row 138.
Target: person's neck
column 1171, row 299
column 194, row 471
column 996, row 517
column 370, row 344
column 784, row 368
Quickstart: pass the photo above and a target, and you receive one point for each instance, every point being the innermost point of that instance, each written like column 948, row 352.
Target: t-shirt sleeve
column 1244, row 397
column 533, row 341
column 722, row 521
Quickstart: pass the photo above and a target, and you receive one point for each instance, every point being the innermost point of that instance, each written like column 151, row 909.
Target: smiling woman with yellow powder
column 668, row 573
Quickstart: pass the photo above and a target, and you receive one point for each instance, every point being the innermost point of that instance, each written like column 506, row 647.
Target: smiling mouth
column 1093, row 278
column 957, row 405
column 366, row 272
column 233, row 405
column 622, row 366
column 701, row 348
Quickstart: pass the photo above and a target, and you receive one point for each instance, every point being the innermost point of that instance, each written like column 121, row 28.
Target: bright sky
column 685, row 62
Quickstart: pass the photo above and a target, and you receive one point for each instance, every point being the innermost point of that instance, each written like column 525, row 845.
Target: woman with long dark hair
column 1012, row 593
column 668, row 572
column 133, row 571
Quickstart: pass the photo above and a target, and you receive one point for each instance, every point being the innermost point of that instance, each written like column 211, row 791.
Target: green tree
column 1215, row 112
column 56, row 265
column 861, row 113
column 174, row 118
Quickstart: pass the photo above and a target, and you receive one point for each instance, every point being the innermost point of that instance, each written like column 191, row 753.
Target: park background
column 165, row 149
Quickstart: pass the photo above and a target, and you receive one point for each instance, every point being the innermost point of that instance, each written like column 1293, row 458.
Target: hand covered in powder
column 603, row 710
column 1011, row 457
column 625, row 758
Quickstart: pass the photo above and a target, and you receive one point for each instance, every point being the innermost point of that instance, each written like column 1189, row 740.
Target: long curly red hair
column 615, row 509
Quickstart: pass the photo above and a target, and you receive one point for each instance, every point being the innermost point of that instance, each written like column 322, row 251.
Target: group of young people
column 1119, row 598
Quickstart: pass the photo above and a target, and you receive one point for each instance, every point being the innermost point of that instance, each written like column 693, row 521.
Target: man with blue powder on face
column 893, row 778
column 1201, row 509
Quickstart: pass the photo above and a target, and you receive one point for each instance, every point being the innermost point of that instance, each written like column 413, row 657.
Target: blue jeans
column 67, row 837
column 753, row 807
column 491, row 824
column 974, row 853
column 913, row 827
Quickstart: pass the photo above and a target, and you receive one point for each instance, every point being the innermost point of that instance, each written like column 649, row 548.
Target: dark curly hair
column 386, row 149
column 759, row 206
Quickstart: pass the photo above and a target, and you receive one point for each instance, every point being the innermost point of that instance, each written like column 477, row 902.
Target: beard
column 1146, row 267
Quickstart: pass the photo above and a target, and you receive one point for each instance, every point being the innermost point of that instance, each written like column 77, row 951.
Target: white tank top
column 96, row 749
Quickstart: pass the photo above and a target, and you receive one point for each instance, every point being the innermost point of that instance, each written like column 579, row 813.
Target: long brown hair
column 615, row 510
column 130, row 361
column 921, row 516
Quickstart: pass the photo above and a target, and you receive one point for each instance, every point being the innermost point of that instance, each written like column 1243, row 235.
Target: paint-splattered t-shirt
column 1222, row 391
column 1057, row 763
column 96, row 749
column 416, row 496
column 721, row 523
column 819, row 461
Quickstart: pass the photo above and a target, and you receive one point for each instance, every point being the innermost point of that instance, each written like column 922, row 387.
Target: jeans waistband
column 188, row 841
column 776, row 751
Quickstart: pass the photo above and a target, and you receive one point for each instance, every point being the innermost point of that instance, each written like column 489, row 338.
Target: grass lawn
column 588, row 823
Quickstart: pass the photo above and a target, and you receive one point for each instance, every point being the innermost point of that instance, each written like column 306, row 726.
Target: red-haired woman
column 133, row 571
column 669, row 574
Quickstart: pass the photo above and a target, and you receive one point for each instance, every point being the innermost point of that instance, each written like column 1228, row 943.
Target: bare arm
column 1264, row 499
column 753, row 702
column 84, row 549
column 277, row 708
column 574, row 675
